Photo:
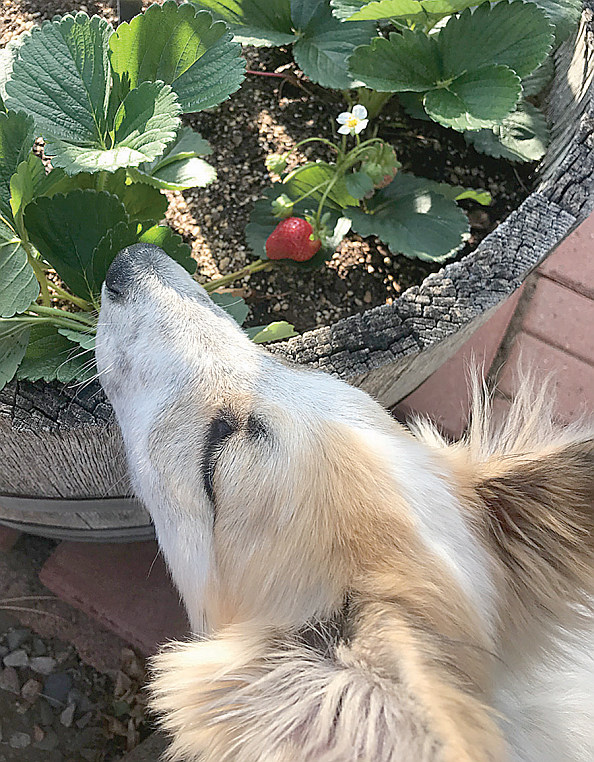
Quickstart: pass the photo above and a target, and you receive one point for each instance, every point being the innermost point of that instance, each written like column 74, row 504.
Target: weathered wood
column 58, row 442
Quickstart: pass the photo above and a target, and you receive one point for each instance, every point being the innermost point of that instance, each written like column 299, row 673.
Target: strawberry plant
column 107, row 105
column 362, row 189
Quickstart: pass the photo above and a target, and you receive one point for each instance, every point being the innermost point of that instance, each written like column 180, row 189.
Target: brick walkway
column 550, row 322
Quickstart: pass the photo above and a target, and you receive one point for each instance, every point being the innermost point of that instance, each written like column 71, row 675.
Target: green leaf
column 182, row 48
column 276, row 331
column 350, row 10
column 253, row 22
column 7, row 56
column 61, row 78
column 474, row 100
column 563, row 14
column 309, row 176
column 413, row 218
column 17, row 136
column 66, row 230
column 50, row 356
column 403, row 63
column 325, row 44
column 516, row 34
column 180, row 167
column 172, row 244
column 523, row 136
column 24, row 184
column 358, row 184
column 539, row 78
column 233, row 305
column 481, row 197
column 84, row 339
column 13, row 344
column 146, row 120
column 19, row 284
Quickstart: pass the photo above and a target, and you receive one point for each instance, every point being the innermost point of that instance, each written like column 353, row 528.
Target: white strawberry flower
column 354, row 121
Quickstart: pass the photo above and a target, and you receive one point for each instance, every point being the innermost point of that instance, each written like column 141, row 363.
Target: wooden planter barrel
column 62, row 466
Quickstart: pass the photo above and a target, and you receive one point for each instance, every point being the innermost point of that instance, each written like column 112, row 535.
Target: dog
column 357, row 590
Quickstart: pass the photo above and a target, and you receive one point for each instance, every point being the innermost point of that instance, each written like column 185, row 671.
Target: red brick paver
column 125, row 586
column 573, row 262
column 563, row 318
column 573, row 379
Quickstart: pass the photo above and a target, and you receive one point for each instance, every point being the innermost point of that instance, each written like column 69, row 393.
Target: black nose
column 129, row 266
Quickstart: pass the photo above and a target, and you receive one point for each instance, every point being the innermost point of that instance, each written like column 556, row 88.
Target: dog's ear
column 540, row 513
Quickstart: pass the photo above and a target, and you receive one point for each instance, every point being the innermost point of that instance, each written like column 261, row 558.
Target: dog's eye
column 219, row 430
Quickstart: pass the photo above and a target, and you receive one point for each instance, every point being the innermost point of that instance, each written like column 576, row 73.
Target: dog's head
column 271, row 486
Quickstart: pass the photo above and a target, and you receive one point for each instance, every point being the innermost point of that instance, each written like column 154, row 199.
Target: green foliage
column 276, row 331
column 523, row 136
column 108, row 107
column 469, row 72
column 413, row 217
column 321, row 44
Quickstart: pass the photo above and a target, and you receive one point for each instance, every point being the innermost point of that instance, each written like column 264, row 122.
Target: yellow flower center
column 352, row 122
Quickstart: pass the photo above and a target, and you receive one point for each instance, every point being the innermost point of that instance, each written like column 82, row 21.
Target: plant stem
column 254, row 267
column 101, row 180
column 83, row 320
column 63, row 294
column 41, row 278
column 373, row 100
column 266, row 74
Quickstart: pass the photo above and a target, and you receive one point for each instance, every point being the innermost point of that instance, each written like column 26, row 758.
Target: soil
column 270, row 115
column 69, row 692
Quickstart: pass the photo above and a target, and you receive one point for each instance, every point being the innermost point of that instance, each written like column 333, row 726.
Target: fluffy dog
column 357, row 592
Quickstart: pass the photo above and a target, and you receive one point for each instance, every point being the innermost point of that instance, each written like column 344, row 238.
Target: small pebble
column 44, row 665
column 67, row 716
column 84, row 720
column 19, row 740
column 16, row 659
column 46, row 716
column 38, row 734
column 56, row 687
column 15, row 638
column 80, row 700
column 38, row 648
column 31, row 690
column 48, row 742
column 9, row 680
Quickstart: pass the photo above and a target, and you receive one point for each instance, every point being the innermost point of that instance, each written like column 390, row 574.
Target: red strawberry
column 292, row 239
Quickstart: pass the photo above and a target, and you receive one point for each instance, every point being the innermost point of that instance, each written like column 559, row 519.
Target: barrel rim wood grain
column 62, row 466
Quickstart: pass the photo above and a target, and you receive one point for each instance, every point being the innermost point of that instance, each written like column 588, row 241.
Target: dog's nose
column 130, row 265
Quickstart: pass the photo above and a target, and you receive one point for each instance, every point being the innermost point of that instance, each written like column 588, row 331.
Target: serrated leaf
column 325, row 44
column 407, row 62
column 145, row 122
column 481, row 197
column 50, row 356
column 413, row 218
column 348, row 10
column 13, row 344
column 358, row 184
column 84, row 339
column 563, row 14
column 182, row 48
column 253, row 22
column 61, row 78
column 7, row 55
column 276, row 331
column 539, row 78
column 474, row 100
column 523, row 136
column 19, row 284
column 66, row 230
column 181, row 166
column 313, row 179
column 17, row 136
column 233, row 305
column 29, row 175
column 172, row 244
column 516, row 34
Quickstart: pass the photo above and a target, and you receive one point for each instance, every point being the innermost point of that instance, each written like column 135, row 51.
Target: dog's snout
column 130, row 265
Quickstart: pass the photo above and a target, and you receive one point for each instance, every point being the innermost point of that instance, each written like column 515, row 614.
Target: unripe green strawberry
column 292, row 239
